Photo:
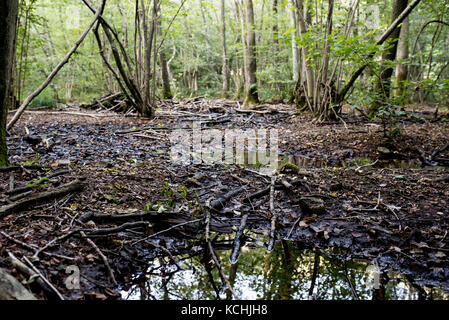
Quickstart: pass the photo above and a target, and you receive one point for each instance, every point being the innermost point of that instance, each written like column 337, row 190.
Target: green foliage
column 173, row 196
column 39, row 182
column 192, row 45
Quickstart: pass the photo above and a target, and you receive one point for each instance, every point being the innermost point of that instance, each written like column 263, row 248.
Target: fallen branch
column 41, row 181
column 52, row 243
column 34, row 247
column 224, row 280
column 273, row 217
column 166, row 230
column 219, row 203
column 237, row 240
column 125, row 226
column 72, row 113
column 19, row 168
column 23, row 268
column 441, row 179
column 103, row 257
column 437, row 152
column 265, row 191
column 73, row 186
column 44, row 279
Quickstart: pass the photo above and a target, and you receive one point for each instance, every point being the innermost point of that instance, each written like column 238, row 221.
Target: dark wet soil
column 385, row 200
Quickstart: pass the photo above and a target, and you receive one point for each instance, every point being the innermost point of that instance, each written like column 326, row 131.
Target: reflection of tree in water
column 288, row 272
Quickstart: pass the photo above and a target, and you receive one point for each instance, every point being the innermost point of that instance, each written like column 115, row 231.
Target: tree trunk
column 8, row 18
column 382, row 86
column 166, row 91
column 307, row 63
column 295, row 50
column 225, row 71
column 344, row 92
column 252, row 96
column 243, row 70
column 148, row 36
column 275, row 28
column 402, row 55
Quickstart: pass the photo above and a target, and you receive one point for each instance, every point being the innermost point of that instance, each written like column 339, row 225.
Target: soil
column 385, row 197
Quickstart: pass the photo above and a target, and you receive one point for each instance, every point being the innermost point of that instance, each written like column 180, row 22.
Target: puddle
column 302, row 161
column 286, row 273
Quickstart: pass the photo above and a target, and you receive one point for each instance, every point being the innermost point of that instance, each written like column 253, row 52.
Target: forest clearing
column 224, row 150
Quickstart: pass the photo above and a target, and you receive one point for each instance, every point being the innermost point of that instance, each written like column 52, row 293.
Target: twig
column 166, row 230
column 237, row 240
column 103, row 257
column 53, row 242
column 293, row 226
column 316, row 265
column 76, row 185
column 127, row 225
column 23, row 268
column 43, row 278
column 55, row 174
column 214, row 257
column 354, row 293
column 167, row 252
column 34, row 247
column 366, row 165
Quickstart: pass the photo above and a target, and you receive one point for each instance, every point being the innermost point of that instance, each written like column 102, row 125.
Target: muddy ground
column 385, row 199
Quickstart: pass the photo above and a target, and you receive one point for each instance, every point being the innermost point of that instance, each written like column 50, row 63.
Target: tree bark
column 8, row 17
column 225, row 71
column 402, row 55
column 295, row 49
column 382, row 86
column 275, row 28
column 305, row 52
column 166, row 91
column 244, row 83
column 252, row 96
column 148, row 36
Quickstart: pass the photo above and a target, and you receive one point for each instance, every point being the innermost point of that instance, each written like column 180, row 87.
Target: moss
column 252, row 96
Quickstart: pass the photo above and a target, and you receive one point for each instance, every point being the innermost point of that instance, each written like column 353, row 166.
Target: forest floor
column 384, row 199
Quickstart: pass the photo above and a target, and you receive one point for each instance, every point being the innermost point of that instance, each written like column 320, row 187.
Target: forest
column 224, row 150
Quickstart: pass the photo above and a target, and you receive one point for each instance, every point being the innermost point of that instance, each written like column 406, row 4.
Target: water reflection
column 288, row 272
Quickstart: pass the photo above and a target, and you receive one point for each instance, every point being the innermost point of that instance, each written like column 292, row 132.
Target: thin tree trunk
column 225, row 71
column 342, row 94
column 8, row 18
column 252, row 96
column 166, row 91
column 305, row 52
column 275, row 28
column 402, row 55
column 382, row 86
column 325, row 64
column 148, row 36
column 295, row 50
column 244, row 68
